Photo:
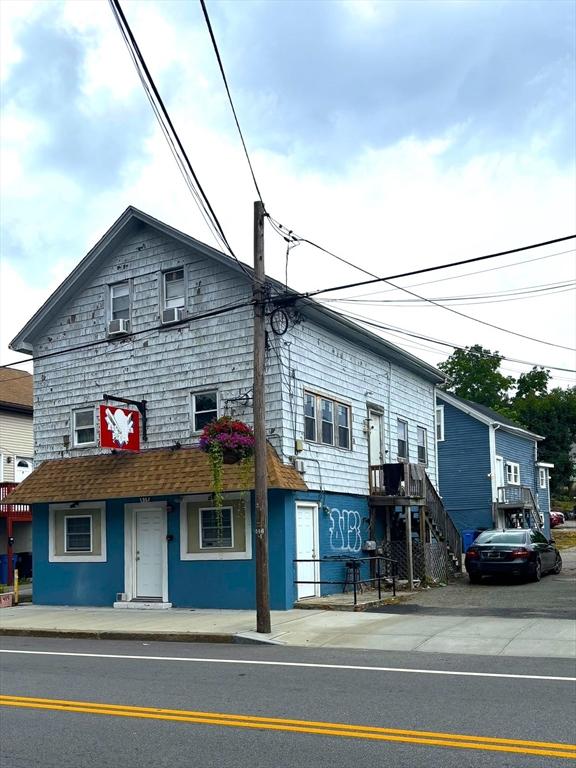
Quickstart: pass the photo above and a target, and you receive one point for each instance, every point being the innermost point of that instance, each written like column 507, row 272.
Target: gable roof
column 485, row 414
column 132, row 219
column 156, row 472
column 16, row 390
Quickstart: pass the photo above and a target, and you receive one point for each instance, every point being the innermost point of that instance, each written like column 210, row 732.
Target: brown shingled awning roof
column 149, row 473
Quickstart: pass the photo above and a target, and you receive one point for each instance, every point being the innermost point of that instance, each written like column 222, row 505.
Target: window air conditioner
column 118, row 327
column 172, row 315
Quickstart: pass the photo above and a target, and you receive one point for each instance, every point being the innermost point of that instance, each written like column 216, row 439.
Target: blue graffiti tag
column 345, row 532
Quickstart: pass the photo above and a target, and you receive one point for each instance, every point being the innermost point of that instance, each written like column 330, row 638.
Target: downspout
column 389, row 416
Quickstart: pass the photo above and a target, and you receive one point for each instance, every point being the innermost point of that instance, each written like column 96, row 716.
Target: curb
column 168, row 637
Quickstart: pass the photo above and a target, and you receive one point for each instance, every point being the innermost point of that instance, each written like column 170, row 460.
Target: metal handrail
column 356, row 578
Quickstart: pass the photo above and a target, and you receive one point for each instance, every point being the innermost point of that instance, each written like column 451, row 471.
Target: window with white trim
column 207, row 535
column 402, row 434
column 440, row 423
column 174, row 288
column 327, row 421
column 512, row 473
column 78, row 533
column 542, row 477
column 120, row 301
column 84, row 427
column 204, row 409
column 216, row 529
column 422, row 437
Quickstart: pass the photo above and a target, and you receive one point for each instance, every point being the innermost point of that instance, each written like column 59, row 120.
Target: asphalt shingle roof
column 133, row 475
column 16, row 388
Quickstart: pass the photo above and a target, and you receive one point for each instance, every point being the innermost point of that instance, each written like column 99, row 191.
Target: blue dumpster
column 468, row 537
column 4, row 567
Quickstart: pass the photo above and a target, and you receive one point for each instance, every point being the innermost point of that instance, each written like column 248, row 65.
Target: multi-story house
column 490, row 475
column 16, row 463
column 156, row 317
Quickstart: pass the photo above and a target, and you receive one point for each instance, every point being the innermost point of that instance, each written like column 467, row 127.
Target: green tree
column 535, row 382
column 552, row 415
column 474, row 374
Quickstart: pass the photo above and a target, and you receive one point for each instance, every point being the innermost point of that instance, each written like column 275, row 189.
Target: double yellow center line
column 429, row 738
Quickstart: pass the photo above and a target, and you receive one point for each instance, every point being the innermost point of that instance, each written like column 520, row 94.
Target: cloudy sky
column 397, row 134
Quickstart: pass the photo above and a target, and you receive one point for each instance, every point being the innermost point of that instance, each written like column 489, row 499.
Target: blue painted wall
column 78, row 583
column 343, row 527
column 464, row 468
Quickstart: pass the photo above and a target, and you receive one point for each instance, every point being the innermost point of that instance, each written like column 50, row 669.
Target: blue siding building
column 489, row 473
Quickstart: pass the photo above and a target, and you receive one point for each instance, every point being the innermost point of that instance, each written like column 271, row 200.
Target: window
column 120, row 301
column 78, row 534
column 309, row 416
column 210, row 534
column 402, row 432
column 327, row 421
column 440, row 423
column 538, row 538
column 512, row 473
column 422, row 445
column 542, row 477
column 22, row 468
column 216, row 528
column 174, row 288
column 84, row 427
column 204, row 409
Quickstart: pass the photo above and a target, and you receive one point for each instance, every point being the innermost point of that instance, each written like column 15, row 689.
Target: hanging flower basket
column 226, row 441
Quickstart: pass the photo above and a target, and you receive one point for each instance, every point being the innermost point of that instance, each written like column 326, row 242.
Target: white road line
column 355, row 668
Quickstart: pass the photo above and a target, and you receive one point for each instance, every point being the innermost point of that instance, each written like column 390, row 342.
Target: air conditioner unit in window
column 119, row 327
column 299, row 466
column 172, row 315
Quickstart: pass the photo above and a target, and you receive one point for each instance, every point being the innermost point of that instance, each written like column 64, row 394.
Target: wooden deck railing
column 398, row 480
column 516, row 494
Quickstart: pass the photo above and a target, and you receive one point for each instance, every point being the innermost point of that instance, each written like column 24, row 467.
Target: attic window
column 120, row 301
column 174, row 289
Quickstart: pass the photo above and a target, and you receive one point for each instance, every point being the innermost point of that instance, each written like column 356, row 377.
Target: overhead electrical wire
column 467, row 274
column 170, row 132
column 219, row 58
column 386, row 327
column 201, row 316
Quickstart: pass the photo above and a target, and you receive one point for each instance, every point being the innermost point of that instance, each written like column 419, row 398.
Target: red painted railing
column 15, row 511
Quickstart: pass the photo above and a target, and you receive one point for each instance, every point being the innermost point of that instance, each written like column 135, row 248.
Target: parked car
column 514, row 552
column 556, row 518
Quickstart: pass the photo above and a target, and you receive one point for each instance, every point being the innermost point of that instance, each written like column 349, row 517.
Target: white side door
column 376, row 442
column 149, row 541
column 307, row 549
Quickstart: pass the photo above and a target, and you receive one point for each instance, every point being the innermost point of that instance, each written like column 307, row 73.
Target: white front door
column 375, row 421
column 149, row 545
column 307, row 549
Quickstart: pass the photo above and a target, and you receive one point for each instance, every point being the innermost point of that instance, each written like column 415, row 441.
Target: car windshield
column 502, row 537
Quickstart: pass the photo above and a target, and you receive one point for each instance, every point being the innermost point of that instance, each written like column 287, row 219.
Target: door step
column 142, row 605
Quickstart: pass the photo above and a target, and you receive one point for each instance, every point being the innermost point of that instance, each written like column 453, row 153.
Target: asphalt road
column 554, row 597
column 72, row 723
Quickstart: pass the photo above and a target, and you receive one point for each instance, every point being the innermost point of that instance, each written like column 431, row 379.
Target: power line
column 169, row 130
column 218, row 57
column 201, row 316
column 469, row 274
column 289, row 233
column 413, row 334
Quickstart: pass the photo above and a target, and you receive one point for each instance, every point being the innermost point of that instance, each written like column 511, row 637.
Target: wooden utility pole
column 260, row 472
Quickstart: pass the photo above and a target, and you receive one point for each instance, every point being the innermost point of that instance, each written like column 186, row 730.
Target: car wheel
column 558, row 564
column 474, row 578
column 537, row 572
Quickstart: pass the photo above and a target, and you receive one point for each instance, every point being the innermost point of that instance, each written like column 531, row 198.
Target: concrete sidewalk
column 310, row 628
